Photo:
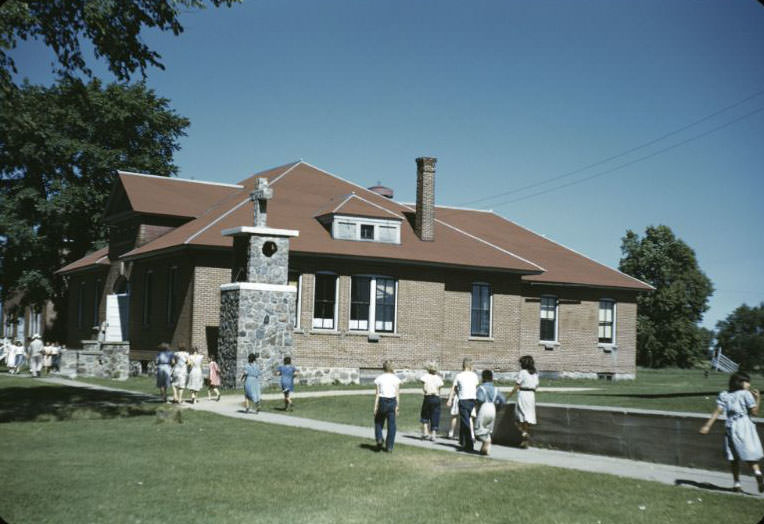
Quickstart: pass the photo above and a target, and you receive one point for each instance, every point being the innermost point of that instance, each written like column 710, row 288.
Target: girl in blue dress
column 251, row 378
column 287, row 372
column 741, row 442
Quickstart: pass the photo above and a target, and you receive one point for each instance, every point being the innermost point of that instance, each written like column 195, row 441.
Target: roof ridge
column 353, row 195
column 571, row 249
column 367, row 190
column 484, row 241
column 178, row 179
column 290, row 164
column 218, row 219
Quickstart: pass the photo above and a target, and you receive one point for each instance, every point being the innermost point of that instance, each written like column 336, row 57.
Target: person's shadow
column 370, row 447
column 703, row 485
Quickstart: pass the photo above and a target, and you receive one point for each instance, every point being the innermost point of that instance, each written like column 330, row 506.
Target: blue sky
column 505, row 94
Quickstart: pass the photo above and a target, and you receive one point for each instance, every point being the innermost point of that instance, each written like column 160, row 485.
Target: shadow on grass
column 370, row 447
column 702, row 485
column 653, row 395
column 56, row 403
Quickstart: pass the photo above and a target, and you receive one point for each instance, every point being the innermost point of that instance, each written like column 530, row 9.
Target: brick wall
column 578, row 350
column 159, row 328
column 206, row 305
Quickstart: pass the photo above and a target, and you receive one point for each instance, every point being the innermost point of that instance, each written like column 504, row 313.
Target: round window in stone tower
column 269, row 249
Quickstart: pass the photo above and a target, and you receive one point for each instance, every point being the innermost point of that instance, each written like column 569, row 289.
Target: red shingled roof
column 562, row 264
column 161, row 195
column 94, row 259
column 302, row 192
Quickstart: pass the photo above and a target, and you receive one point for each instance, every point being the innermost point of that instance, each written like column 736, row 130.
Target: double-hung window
column 325, row 302
column 481, row 310
column 372, row 297
column 548, row 328
column 606, row 324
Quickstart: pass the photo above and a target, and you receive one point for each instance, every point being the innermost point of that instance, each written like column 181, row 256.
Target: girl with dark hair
column 214, row 379
column 287, row 372
column 525, row 409
column 251, row 378
column 741, row 442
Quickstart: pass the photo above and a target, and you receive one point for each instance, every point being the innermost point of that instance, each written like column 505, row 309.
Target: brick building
column 376, row 279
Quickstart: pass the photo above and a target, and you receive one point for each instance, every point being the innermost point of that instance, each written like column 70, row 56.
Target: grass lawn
column 660, row 389
column 107, row 459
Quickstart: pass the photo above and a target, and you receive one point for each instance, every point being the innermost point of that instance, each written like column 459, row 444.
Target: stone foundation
column 97, row 359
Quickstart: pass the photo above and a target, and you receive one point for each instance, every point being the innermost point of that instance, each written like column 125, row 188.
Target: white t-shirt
column 432, row 383
column 466, row 385
column 526, row 380
column 387, row 385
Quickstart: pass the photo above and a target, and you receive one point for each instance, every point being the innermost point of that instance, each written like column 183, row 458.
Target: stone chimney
column 424, row 222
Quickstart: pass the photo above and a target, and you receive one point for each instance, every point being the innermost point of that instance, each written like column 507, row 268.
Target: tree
column 667, row 321
column 741, row 336
column 113, row 27
column 59, row 148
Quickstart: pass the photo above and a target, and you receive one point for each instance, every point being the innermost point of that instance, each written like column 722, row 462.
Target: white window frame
column 490, row 309
column 298, row 305
column 556, row 318
column 612, row 343
column 372, row 327
column 336, row 302
column 359, row 221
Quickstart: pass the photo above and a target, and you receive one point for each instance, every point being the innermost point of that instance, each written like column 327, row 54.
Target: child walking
column 488, row 397
column 741, row 442
column 214, row 379
column 287, row 372
column 251, row 378
column 429, row 415
column 525, row 409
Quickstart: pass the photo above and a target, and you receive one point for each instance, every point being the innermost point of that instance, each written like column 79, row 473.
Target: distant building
column 376, row 279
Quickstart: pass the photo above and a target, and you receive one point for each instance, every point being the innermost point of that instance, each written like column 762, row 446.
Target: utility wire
column 640, row 159
column 618, row 155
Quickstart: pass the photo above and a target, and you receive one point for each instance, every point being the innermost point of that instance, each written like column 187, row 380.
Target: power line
column 618, row 155
column 640, row 159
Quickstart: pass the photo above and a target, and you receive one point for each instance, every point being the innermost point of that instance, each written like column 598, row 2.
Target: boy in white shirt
column 430, row 413
column 386, row 405
column 465, row 383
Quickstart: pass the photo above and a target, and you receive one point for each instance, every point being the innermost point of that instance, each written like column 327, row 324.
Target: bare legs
column 213, row 389
column 735, row 467
column 523, row 427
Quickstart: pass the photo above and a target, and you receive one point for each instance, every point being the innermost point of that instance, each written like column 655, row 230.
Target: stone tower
column 257, row 308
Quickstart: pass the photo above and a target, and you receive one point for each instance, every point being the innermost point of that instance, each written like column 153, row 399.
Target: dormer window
column 366, row 229
column 367, row 232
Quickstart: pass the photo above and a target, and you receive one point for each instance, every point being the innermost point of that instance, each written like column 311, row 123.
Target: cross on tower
column 260, row 196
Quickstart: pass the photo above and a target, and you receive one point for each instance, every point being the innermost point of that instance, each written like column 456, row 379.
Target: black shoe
column 380, row 445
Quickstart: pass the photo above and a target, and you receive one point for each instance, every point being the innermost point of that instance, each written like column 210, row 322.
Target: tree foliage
column 741, row 336
column 59, row 148
column 113, row 27
column 667, row 323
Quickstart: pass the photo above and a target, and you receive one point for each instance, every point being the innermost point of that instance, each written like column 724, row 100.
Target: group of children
column 41, row 358
column 251, row 378
column 472, row 403
column 183, row 370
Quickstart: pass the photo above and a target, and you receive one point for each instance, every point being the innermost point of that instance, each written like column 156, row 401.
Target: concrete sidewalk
column 231, row 406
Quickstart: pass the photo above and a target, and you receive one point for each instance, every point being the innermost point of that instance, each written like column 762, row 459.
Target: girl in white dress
column 195, row 379
column 179, row 374
column 525, row 409
column 741, row 441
